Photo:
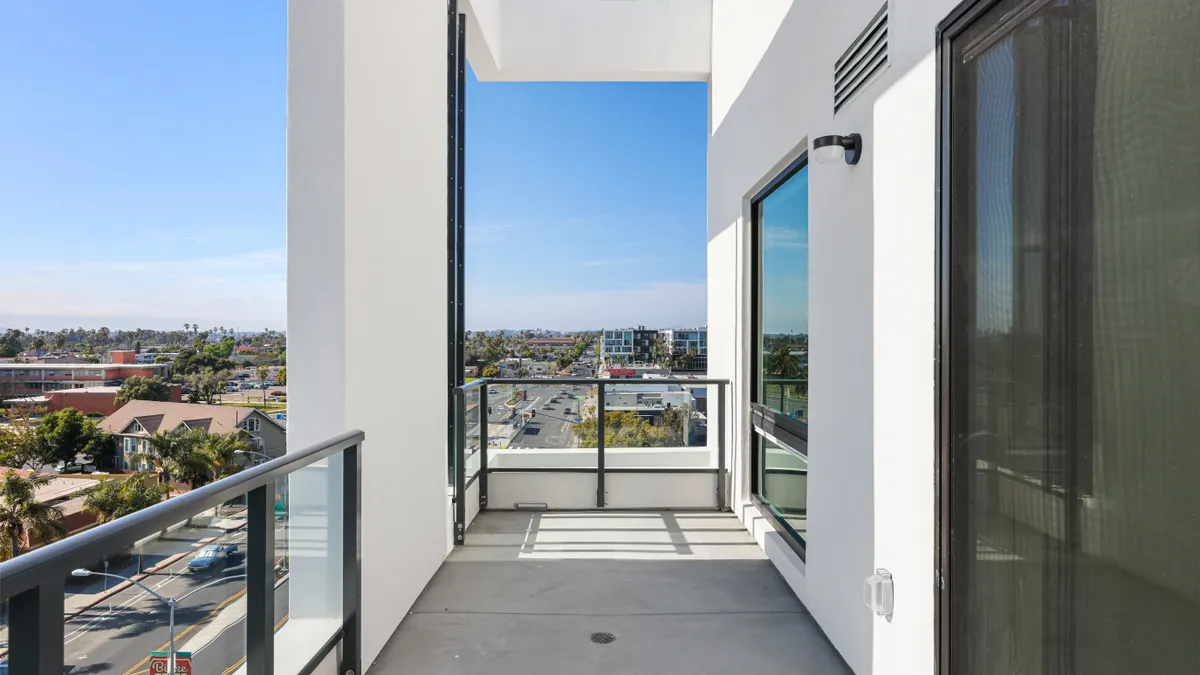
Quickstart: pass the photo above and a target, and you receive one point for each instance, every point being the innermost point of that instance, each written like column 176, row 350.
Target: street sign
column 160, row 663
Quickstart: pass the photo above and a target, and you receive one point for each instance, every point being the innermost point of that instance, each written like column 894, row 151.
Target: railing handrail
column 24, row 571
column 590, row 381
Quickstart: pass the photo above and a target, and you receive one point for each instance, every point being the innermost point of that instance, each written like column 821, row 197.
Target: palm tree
column 177, row 455
column 781, row 363
column 221, row 450
column 112, row 498
column 23, row 517
column 263, row 372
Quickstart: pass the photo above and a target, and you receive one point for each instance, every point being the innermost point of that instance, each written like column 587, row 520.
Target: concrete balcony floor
column 681, row 592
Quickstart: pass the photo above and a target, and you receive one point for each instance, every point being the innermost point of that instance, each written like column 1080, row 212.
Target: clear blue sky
column 143, row 173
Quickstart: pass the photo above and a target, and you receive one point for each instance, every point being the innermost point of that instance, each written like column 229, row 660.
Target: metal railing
column 33, row 583
column 462, row 439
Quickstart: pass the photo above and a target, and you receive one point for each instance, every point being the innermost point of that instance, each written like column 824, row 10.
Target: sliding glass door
column 1070, row 352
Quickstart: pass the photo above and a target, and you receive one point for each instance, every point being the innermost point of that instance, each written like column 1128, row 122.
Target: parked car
column 272, row 398
column 211, row 557
column 74, row 467
column 277, row 393
column 493, row 391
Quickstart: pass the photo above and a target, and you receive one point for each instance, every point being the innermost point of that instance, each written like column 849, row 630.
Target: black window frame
column 765, row 422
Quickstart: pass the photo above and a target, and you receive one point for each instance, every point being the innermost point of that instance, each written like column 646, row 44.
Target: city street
column 117, row 635
column 557, row 409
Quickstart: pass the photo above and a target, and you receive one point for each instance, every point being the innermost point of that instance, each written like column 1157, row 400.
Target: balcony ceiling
column 589, row 40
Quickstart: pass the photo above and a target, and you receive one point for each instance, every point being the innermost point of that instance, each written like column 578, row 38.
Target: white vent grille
column 865, row 59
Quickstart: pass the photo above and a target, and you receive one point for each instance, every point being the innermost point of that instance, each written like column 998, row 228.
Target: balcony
column 573, row 551
column 612, row 592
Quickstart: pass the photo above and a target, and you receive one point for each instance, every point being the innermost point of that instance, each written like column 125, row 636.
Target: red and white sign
column 621, row 372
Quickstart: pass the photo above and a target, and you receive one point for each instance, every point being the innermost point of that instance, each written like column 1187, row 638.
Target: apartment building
column 628, row 345
column 685, row 340
column 979, row 214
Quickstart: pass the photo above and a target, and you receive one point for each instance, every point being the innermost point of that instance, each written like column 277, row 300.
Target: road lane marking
column 187, row 630
column 242, row 660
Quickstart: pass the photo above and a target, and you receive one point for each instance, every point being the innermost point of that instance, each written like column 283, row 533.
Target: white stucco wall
column 366, row 258
column 871, row 252
column 586, row 40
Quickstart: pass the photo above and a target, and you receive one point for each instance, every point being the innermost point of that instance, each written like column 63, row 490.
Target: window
column 780, row 357
column 1070, row 376
column 252, row 424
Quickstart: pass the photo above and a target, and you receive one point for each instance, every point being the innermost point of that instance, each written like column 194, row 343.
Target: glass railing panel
column 309, row 562
column 786, row 396
column 473, row 417
column 113, row 625
column 784, row 484
column 531, row 425
column 650, row 424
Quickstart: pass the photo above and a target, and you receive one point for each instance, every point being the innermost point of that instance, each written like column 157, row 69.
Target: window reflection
column 783, row 298
column 783, row 484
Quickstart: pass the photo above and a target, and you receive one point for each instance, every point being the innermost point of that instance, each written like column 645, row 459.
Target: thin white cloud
column 785, row 238
column 654, row 304
column 243, row 289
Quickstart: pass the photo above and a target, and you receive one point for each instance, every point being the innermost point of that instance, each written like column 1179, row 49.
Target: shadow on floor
column 686, row 593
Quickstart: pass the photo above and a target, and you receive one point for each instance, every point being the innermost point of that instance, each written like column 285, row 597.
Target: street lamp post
column 171, row 602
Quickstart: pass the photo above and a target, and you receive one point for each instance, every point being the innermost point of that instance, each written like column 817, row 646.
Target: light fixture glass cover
column 828, row 149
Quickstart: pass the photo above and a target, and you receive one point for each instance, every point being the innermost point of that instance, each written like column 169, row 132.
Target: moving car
column 210, row 557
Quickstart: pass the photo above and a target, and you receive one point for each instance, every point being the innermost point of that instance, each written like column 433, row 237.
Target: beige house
column 135, row 422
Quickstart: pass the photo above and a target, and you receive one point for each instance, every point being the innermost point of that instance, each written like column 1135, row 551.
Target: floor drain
column 603, row 638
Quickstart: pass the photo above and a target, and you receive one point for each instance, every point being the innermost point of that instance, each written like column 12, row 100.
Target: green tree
column 22, row 517
column 18, row 443
column 220, row 451
column 263, row 373
column 247, row 363
column 112, row 498
column 281, row 377
column 65, row 433
column 206, row 385
column 138, row 388
column 221, row 350
column 177, row 455
column 622, row 429
column 190, row 362
column 7, row 351
column 37, row 344
column 162, row 359
column 491, row 370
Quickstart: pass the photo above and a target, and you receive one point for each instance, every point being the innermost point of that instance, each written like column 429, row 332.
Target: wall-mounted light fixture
column 829, row 149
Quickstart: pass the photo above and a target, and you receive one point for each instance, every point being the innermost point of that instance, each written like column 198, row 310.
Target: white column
column 366, row 279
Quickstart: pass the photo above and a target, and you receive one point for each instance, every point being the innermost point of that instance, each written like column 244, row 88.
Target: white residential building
column 979, row 214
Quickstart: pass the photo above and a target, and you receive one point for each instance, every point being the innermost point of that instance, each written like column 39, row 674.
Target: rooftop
column 162, row 416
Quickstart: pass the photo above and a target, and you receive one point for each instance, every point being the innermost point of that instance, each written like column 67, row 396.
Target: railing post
column 483, row 446
column 260, row 581
column 351, row 660
column 460, row 467
column 600, row 446
column 35, row 629
column 721, row 446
